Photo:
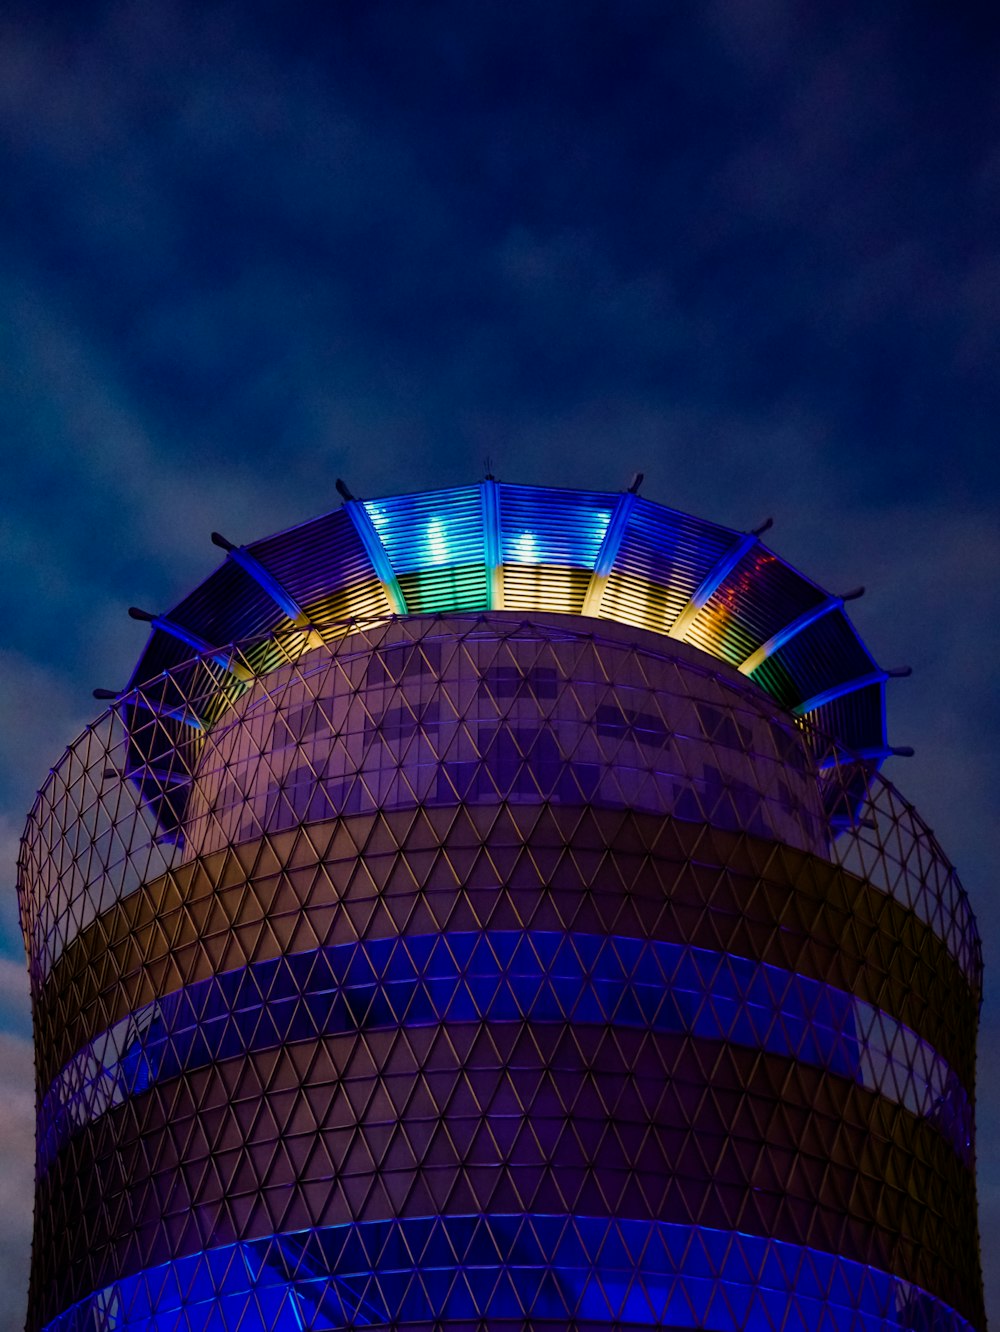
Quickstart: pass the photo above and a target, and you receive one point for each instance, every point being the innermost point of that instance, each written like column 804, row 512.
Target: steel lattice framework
column 452, row 965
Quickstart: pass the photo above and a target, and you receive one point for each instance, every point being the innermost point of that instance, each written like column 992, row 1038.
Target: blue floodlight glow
column 437, row 546
column 526, row 549
column 378, row 516
column 507, row 976
column 430, row 1269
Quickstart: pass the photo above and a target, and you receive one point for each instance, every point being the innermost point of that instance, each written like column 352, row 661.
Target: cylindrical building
column 483, row 908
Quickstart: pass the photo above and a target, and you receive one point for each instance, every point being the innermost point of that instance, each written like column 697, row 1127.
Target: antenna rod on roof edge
column 105, row 694
column 765, row 526
column 219, row 540
column 853, row 594
column 636, row 482
column 342, row 490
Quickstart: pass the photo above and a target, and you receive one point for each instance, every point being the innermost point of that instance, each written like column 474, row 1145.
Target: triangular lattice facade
column 481, row 970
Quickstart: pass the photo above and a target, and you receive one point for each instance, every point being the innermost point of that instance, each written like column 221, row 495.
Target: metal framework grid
column 467, row 968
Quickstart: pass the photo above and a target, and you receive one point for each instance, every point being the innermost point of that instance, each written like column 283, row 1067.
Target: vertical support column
column 280, row 595
column 788, row 632
column 492, row 544
column 608, row 553
column 377, row 554
column 711, row 584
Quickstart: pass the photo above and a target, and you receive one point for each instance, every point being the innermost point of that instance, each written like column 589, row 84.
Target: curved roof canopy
column 495, row 546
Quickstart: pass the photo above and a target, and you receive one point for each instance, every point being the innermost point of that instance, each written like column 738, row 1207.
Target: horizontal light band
column 438, row 1268
column 504, row 976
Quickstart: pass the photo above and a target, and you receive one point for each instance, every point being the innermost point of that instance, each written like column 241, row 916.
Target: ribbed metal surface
column 826, row 653
column 760, row 595
column 430, row 531
column 853, row 717
column 553, row 527
column 669, row 572
column 663, row 559
column 316, row 557
column 230, row 606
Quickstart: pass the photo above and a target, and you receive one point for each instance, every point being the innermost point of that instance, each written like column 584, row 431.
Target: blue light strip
column 507, row 976
column 789, row 631
column 608, row 553
column 517, row 1266
column 710, row 585
column 372, row 542
column 839, row 691
column 611, row 544
column 223, row 659
column 492, row 544
column 283, row 599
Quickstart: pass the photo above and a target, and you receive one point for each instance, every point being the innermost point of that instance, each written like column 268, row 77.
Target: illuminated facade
column 513, row 927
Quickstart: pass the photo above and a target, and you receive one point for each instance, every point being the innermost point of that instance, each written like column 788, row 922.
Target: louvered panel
column 672, row 550
column 545, row 588
column 162, row 653
column 359, row 601
column 228, row 607
column 761, row 595
column 634, row 600
column 460, row 587
column 774, row 677
column 855, row 719
column 720, row 633
column 315, row 558
column 826, row 653
column 430, row 531
column 553, row 527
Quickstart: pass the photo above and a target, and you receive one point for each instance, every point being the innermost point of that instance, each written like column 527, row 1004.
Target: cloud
column 17, row 1155
column 748, row 250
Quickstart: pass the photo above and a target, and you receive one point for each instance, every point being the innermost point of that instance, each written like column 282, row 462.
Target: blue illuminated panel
column 507, row 976
column 511, row 1266
column 436, row 545
column 430, row 530
column 554, row 527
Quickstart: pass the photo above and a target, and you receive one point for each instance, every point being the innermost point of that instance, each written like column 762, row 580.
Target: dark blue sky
column 748, row 248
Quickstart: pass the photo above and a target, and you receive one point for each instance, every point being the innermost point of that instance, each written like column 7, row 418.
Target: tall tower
column 482, row 908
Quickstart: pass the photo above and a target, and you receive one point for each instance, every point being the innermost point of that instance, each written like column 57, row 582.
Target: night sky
column 748, row 247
